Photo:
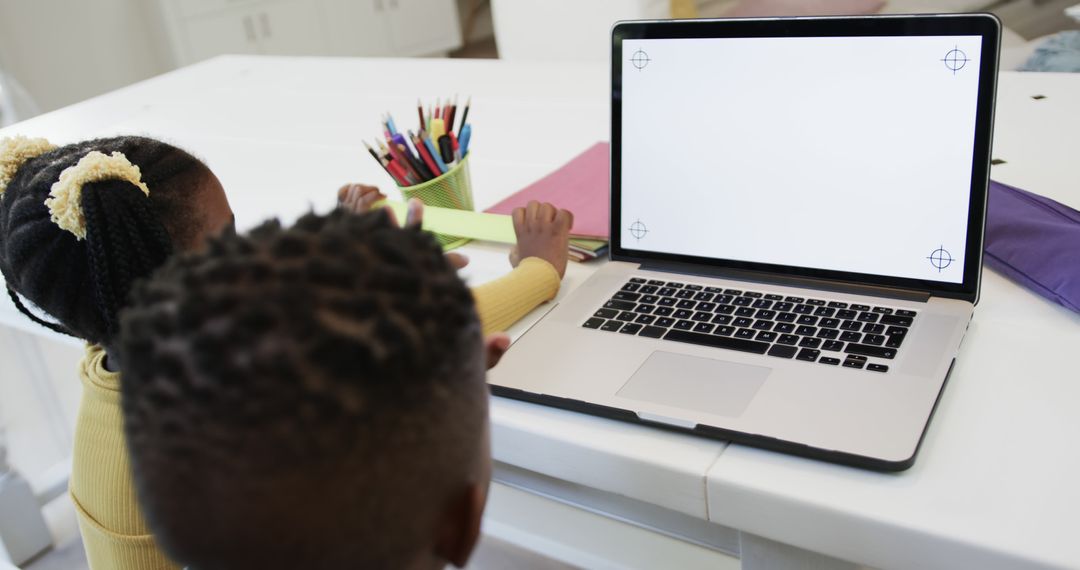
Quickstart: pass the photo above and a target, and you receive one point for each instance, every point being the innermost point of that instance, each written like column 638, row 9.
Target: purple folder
column 1034, row 241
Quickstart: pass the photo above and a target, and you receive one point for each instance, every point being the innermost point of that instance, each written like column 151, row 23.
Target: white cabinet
column 289, row 28
column 207, row 36
column 422, row 26
column 199, row 29
column 356, row 27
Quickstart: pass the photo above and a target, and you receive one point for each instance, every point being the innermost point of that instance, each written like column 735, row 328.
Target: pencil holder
column 450, row 190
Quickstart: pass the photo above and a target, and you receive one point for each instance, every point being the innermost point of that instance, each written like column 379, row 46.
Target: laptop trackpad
column 694, row 383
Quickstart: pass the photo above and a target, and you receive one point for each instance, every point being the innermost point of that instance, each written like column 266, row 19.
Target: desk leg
column 758, row 553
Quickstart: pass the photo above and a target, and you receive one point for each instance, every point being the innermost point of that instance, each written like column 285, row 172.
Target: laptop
column 797, row 212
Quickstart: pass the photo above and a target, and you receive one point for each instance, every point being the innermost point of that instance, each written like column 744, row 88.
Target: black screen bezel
column 985, row 25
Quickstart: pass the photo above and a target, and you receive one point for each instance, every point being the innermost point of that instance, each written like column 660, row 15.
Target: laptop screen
column 849, row 154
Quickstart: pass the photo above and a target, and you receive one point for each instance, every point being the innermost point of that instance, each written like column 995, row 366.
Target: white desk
column 994, row 483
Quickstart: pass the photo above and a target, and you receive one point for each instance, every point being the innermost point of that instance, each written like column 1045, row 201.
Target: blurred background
column 57, row 52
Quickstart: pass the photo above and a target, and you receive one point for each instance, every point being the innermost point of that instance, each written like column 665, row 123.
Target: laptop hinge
column 788, row 280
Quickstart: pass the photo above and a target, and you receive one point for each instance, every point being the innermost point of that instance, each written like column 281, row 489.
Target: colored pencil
column 422, row 149
column 376, row 156
column 398, row 174
column 450, row 119
column 464, row 115
column 404, row 163
column 433, row 151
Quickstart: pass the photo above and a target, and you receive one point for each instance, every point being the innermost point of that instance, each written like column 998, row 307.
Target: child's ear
column 460, row 526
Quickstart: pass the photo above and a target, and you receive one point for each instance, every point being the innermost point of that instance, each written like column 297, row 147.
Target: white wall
column 64, row 51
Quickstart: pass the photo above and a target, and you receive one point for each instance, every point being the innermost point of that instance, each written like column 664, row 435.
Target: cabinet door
column 196, row 8
column 230, row 31
column 421, row 27
column 356, row 27
column 289, row 28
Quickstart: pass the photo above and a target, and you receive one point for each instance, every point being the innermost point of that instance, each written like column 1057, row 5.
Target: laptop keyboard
column 812, row 330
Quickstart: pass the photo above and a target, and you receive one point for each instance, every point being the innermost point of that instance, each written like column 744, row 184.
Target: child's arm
column 539, row 261
column 539, row 258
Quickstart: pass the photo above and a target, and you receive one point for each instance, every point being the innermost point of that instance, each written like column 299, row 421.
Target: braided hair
column 83, row 284
column 318, row 389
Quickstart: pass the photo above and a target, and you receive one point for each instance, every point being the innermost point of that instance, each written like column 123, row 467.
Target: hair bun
column 65, row 197
column 14, row 152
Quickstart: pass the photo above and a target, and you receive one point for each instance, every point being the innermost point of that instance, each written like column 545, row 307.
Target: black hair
column 302, row 397
column 82, row 284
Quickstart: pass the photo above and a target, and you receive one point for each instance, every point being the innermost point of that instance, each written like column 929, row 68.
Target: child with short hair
column 309, row 397
column 80, row 223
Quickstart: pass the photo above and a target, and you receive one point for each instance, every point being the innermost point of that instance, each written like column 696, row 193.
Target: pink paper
column 580, row 186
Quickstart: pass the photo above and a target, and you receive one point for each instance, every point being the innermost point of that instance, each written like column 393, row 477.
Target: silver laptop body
column 796, row 234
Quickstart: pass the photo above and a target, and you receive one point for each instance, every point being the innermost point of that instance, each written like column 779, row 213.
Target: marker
column 446, row 149
column 466, row 134
column 438, row 129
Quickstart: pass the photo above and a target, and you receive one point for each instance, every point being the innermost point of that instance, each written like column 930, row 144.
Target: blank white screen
column 849, row 154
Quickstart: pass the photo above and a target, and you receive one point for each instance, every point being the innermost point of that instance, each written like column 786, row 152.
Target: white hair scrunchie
column 65, row 196
column 14, row 152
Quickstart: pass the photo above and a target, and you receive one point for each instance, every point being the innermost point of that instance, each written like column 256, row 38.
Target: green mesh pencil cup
column 452, row 189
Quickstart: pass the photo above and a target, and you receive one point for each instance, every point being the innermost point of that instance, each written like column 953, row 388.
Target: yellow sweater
column 114, row 533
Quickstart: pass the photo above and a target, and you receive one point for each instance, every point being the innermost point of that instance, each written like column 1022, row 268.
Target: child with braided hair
column 81, row 223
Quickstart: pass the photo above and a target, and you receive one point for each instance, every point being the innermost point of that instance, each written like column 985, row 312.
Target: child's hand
column 495, row 346
column 542, row 231
column 358, row 198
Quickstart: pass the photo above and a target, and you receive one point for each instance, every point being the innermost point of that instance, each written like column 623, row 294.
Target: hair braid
column 125, row 242
column 82, row 284
column 26, row 311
